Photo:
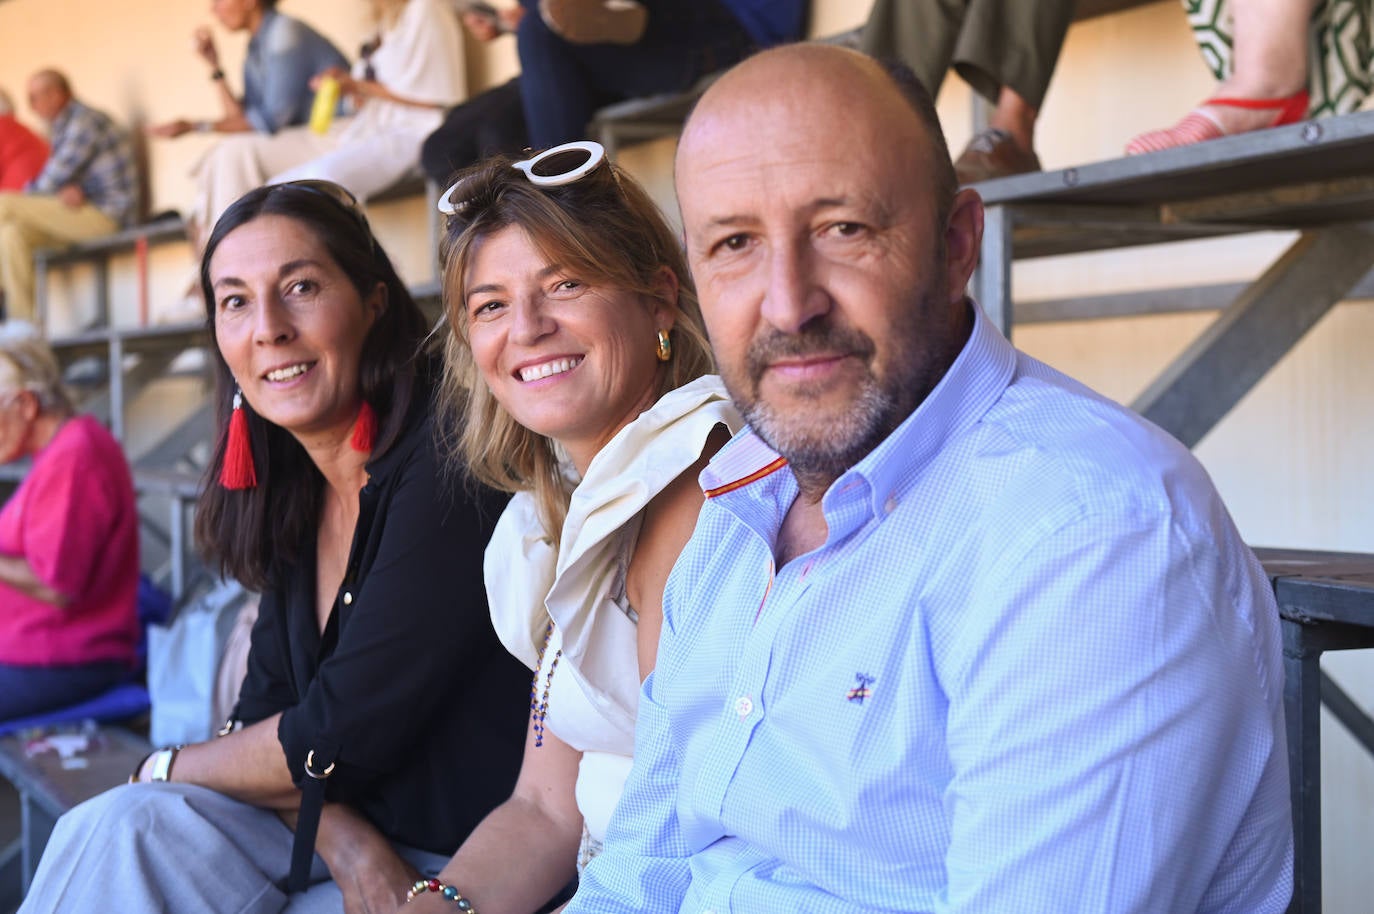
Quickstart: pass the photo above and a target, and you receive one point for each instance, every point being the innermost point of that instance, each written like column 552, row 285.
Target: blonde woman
column 576, row 328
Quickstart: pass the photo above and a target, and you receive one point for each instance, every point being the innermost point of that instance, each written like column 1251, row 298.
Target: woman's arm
column 247, row 765
column 668, row 523
column 371, row 876
column 16, row 571
column 364, row 89
column 525, row 850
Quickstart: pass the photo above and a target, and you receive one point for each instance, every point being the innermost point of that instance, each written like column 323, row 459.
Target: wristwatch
column 162, row 764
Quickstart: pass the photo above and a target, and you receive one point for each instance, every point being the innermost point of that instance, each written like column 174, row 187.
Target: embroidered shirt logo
column 861, row 690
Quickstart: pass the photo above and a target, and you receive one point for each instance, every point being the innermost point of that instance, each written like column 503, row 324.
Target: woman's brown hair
column 605, row 229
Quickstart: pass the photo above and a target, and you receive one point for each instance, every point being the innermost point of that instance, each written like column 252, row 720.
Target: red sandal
column 1199, row 126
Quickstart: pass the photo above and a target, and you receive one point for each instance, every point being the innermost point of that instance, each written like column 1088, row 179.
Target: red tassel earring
column 237, row 471
column 365, row 429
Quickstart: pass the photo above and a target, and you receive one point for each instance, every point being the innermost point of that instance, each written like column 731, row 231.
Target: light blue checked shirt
column 1032, row 668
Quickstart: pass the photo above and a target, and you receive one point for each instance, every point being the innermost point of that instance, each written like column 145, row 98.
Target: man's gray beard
column 820, row 454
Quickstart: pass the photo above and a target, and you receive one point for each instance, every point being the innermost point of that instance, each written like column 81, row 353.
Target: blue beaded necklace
column 539, row 705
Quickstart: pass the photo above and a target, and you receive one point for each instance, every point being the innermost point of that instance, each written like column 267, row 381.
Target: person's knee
column 128, row 809
column 12, row 236
column 533, row 36
column 8, row 208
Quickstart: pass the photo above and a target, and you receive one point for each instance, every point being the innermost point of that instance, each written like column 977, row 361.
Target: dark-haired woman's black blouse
column 407, row 692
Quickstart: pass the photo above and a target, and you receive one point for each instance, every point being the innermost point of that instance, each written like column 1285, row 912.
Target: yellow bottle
column 326, row 102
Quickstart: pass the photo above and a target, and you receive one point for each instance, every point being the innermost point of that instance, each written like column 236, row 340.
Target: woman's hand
column 369, row 873
column 204, row 44
column 344, row 78
column 170, row 129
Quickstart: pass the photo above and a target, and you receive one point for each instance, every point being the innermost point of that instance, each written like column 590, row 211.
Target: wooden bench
column 49, row 785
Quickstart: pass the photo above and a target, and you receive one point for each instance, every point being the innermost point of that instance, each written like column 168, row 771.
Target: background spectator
column 22, row 152
column 88, row 187
column 490, row 122
column 68, row 542
column 1267, row 84
column 412, row 72
column 284, row 54
column 562, row 82
column 1005, row 50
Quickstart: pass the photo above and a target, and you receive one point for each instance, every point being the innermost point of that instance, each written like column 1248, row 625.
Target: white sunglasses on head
column 551, row 168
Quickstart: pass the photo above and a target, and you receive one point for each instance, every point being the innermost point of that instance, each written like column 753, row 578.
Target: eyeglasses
column 554, row 167
column 336, row 192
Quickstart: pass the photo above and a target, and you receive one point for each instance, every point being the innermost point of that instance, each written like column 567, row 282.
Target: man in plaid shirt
column 88, row 188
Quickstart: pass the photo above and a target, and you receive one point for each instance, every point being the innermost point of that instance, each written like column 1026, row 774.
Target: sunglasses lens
column 560, row 163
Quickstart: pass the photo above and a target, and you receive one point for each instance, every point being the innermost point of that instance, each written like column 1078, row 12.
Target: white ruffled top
column 594, row 693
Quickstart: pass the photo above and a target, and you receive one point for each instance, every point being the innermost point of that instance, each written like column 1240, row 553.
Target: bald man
column 954, row 633
column 87, row 188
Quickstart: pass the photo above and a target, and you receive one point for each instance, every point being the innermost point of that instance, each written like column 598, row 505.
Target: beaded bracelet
column 422, row 886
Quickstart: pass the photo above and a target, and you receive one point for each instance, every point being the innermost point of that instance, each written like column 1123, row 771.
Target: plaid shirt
column 90, row 151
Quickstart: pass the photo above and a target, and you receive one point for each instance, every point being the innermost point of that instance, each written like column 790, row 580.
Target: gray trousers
column 144, row 848
column 990, row 43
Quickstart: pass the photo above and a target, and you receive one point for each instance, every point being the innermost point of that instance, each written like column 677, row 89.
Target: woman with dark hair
column 577, row 376
column 378, row 706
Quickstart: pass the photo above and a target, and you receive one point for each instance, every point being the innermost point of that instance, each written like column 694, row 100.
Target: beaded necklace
column 539, row 705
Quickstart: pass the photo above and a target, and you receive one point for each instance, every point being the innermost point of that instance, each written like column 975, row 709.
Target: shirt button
column 348, row 598
column 744, row 706
column 890, row 505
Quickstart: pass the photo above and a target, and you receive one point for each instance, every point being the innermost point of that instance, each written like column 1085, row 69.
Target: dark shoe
column 992, row 153
column 596, row 21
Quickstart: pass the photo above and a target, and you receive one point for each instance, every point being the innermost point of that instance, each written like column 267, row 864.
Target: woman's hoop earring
column 665, row 346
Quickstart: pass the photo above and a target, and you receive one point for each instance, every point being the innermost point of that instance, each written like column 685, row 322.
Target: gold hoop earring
column 665, row 346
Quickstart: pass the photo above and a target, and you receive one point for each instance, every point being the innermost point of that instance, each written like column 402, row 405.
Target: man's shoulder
column 287, row 33
column 1082, row 445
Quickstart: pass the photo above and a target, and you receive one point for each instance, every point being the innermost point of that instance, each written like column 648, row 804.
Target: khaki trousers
column 989, row 43
column 31, row 221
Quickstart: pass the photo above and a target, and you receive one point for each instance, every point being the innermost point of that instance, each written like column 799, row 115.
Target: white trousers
column 175, row 847
column 239, row 163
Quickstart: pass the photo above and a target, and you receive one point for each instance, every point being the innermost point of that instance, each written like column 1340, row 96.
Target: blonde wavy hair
column 605, row 229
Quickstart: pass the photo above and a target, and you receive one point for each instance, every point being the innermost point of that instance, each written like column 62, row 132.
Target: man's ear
column 963, row 239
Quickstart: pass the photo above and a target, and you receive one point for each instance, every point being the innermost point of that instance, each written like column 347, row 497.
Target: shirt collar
column 973, row 383
column 64, row 116
column 268, row 17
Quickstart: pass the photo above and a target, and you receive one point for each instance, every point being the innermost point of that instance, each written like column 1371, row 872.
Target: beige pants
column 31, row 221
